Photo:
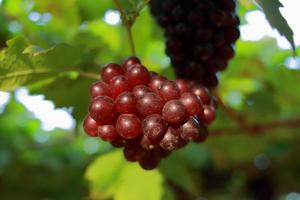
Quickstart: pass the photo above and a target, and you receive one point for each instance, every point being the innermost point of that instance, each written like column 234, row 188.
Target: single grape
column 90, row 126
column 140, row 90
column 149, row 104
column 138, row 75
column 169, row 91
column 119, row 142
column 202, row 93
column 128, row 126
column 174, row 112
column 99, row 88
column 132, row 60
column 107, row 132
column 203, row 131
column 149, row 161
column 133, row 152
column 103, row 110
column 170, row 141
column 126, row 103
column 190, row 130
column 111, row 70
column 154, row 126
column 182, row 85
column 156, row 83
column 119, row 84
column 208, row 114
column 192, row 103
column 149, row 144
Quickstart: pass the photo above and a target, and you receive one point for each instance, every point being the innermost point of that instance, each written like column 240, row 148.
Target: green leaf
column 274, row 16
column 66, row 91
column 146, row 185
column 104, row 174
column 22, row 64
column 111, row 176
column 180, row 174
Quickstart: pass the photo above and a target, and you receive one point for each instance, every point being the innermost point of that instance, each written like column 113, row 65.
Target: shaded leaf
column 22, row 64
column 111, row 176
column 274, row 16
column 66, row 91
column 179, row 174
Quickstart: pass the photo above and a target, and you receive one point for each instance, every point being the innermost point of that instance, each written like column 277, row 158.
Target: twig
column 128, row 23
column 252, row 128
column 256, row 128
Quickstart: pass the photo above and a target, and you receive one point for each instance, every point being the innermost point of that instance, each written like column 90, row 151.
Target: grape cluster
column 200, row 35
column 145, row 113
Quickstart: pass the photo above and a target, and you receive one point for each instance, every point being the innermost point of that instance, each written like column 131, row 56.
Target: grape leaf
column 179, row 174
column 66, row 91
column 274, row 16
column 111, row 176
column 22, row 64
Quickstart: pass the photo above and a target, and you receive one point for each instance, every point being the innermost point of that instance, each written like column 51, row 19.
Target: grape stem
column 250, row 127
column 128, row 23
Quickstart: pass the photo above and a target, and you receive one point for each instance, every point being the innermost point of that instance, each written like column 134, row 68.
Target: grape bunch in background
column 200, row 35
column 145, row 113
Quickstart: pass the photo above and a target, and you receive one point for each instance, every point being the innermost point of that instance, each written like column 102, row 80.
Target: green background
column 252, row 151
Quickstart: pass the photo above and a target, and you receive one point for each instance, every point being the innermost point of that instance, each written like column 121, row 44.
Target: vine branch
column 128, row 23
column 252, row 128
column 256, row 129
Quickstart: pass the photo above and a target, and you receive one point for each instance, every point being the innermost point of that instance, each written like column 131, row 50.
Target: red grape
column 119, row 142
column 208, row 114
column 138, row 75
column 154, row 126
column 132, row 60
column 149, row 104
column 128, row 126
column 149, row 144
column 107, row 132
column 90, row 126
column 99, row 88
column 192, row 103
column 190, row 130
column 103, row 110
column 133, row 152
column 126, row 103
column 111, row 70
column 202, row 93
column 140, row 90
column 183, row 85
column 169, row 91
column 174, row 112
column 156, row 83
column 171, row 140
column 149, row 161
column 118, row 84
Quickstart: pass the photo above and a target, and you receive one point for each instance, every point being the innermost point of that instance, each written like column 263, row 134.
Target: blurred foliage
column 56, row 48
